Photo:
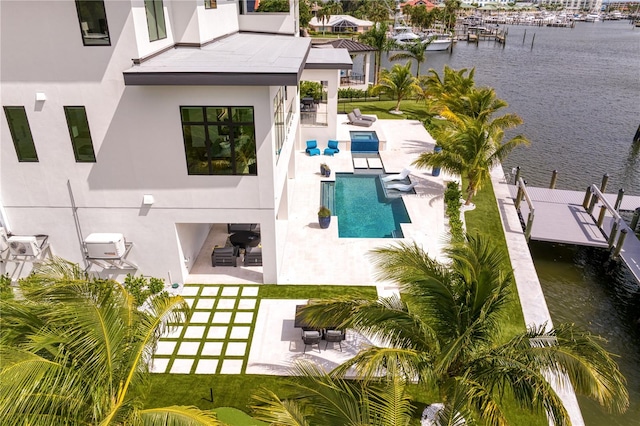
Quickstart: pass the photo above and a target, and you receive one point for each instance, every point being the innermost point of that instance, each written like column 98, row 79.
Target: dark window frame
column 14, row 135
column 81, row 19
column 73, row 137
column 206, row 123
column 154, row 11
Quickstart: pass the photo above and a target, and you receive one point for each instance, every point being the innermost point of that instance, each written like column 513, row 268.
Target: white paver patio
column 277, row 344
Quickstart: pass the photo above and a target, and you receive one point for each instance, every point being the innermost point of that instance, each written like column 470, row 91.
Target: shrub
column 452, row 197
column 6, row 292
column 142, row 288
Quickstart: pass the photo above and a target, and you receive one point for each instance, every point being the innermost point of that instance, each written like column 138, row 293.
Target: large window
column 278, row 120
column 21, row 133
column 155, row 19
column 93, row 22
column 219, row 140
column 80, row 135
column 210, row 4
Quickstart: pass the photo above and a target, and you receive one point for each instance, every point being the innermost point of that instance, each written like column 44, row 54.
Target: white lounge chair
column 399, row 176
column 404, row 187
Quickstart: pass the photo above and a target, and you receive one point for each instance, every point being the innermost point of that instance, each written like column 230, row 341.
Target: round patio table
column 244, row 239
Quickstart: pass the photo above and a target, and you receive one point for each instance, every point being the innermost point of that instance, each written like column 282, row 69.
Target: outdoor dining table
column 244, row 239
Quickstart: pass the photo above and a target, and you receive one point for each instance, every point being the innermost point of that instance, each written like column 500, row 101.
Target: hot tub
column 364, row 141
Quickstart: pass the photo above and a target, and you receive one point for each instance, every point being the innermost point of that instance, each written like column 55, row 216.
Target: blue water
column 364, row 141
column 363, row 211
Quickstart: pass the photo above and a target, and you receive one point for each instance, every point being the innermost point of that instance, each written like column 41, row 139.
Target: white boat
column 404, row 35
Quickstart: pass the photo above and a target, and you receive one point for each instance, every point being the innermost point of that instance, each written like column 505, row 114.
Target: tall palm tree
column 377, row 38
column 76, row 350
column 322, row 399
column 471, row 148
column 416, row 51
column 445, row 330
column 397, row 83
column 451, row 85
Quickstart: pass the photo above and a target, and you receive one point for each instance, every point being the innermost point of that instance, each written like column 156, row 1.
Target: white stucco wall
column 137, row 138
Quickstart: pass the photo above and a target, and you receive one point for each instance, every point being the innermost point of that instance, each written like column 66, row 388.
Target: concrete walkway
column 534, row 306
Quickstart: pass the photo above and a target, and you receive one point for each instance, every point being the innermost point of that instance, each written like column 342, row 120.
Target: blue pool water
column 364, row 141
column 363, row 211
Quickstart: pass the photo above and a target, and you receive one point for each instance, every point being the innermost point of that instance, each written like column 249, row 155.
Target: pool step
column 327, row 195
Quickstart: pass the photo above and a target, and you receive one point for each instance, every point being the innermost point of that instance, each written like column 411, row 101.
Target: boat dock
column 585, row 218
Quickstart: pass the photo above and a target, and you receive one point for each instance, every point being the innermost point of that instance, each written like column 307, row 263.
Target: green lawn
column 412, row 110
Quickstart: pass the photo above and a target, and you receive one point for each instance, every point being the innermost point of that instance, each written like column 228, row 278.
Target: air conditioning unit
column 23, row 246
column 105, row 246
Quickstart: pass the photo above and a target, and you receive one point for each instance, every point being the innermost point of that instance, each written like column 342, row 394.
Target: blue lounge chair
column 332, row 148
column 312, row 147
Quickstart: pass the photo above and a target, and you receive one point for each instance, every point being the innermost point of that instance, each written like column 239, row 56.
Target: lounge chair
column 312, row 148
column 332, row 147
column 357, row 122
column 253, row 256
column 334, row 336
column 224, row 256
column 404, row 187
column 359, row 116
column 399, row 176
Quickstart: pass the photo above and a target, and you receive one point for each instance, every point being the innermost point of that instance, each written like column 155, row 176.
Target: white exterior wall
column 193, row 23
column 137, row 138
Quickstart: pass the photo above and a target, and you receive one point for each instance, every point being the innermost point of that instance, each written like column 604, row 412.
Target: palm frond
column 177, row 416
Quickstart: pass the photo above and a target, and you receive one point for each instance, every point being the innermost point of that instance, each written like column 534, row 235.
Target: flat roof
column 328, row 58
column 243, row 59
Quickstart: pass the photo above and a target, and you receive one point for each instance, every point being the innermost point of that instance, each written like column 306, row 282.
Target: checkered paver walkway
column 217, row 338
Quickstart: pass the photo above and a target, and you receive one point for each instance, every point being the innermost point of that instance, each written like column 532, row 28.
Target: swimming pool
column 364, row 141
column 363, row 211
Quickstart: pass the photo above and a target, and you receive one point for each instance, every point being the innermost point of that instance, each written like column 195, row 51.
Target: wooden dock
column 560, row 217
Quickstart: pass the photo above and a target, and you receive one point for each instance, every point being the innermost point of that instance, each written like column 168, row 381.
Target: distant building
column 340, row 24
column 589, row 5
column 427, row 3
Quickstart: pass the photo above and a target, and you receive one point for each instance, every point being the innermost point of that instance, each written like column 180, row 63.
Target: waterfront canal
column 578, row 91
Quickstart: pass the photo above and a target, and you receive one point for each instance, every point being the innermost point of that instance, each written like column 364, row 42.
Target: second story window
column 210, row 4
column 21, row 133
column 93, row 22
column 80, row 135
column 155, row 19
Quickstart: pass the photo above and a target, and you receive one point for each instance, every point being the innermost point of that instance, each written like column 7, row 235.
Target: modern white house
column 135, row 129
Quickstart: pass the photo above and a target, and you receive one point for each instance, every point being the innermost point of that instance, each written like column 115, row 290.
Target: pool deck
column 317, row 256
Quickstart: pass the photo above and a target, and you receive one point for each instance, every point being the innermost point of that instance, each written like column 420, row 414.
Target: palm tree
column 471, row 148
column 377, row 38
column 76, row 350
column 451, row 85
column 445, row 330
column 397, row 83
column 322, row 399
column 416, row 51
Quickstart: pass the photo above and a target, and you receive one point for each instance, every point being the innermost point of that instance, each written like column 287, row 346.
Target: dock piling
column 519, row 198
column 587, row 198
column 554, row 178
column 515, row 180
column 612, row 236
column 532, row 40
column 603, row 211
column 618, row 249
column 635, row 219
column 605, row 181
column 592, row 204
column 525, row 36
column 616, row 206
